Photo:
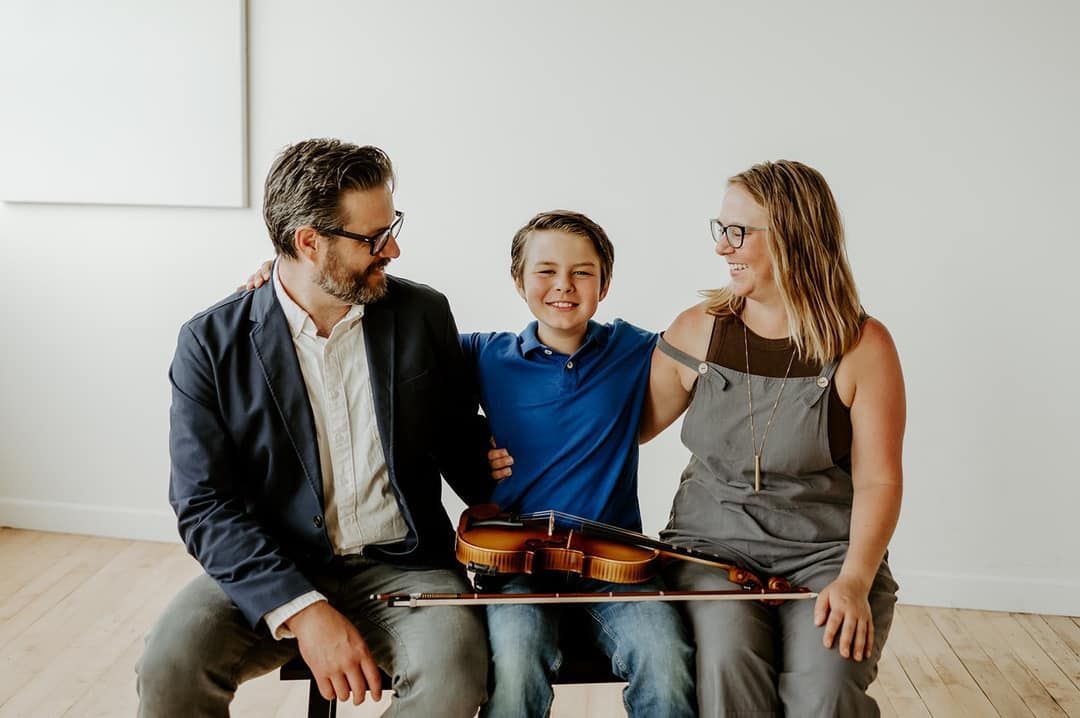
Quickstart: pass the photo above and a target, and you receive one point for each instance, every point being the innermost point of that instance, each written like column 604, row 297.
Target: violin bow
column 415, row 600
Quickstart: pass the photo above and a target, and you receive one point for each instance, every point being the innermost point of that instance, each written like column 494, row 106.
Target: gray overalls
column 754, row 659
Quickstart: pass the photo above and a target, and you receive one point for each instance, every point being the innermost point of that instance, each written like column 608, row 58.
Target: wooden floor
column 74, row 610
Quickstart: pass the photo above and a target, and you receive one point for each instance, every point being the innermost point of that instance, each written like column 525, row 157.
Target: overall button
column 703, row 368
column 823, row 381
column 317, row 521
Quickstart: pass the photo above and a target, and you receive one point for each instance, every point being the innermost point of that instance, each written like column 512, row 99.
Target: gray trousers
column 758, row 660
column 202, row 647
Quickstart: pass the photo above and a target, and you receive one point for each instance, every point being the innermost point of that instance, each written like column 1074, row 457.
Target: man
column 311, row 419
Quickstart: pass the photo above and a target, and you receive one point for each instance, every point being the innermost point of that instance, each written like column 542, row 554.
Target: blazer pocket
column 416, row 381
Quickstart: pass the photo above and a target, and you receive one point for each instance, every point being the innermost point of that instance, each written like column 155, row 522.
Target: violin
column 491, row 542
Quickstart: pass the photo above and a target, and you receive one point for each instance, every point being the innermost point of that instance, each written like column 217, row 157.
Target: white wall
column 948, row 133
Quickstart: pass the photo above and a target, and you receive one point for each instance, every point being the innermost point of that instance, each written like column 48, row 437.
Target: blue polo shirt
column 570, row 422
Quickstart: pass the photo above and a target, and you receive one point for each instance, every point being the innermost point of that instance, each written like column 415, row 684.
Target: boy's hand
column 261, row 277
column 500, row 462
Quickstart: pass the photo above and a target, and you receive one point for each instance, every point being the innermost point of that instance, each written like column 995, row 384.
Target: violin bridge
column 551, row 523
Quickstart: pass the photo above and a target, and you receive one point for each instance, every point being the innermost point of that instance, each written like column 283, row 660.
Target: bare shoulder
column 873, row 360
column 690, row 330
column 875, row 344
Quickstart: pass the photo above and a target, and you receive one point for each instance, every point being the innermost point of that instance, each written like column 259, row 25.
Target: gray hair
column 306, row 181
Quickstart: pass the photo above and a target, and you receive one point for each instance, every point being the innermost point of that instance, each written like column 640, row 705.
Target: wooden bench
column 582, row 663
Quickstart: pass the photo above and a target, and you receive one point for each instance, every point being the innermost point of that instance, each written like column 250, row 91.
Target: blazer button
column 317, row 521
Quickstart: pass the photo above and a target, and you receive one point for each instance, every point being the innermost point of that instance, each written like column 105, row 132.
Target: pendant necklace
column 759, row 450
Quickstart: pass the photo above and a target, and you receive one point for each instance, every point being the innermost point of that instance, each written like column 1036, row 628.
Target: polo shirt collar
column 596, row 333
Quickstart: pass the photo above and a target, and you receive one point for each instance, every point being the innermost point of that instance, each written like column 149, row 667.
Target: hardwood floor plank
column 1063, row 657
column 87, row 645
column 1067, row 630
column 877, row 692
column 978, row 663
column 55, row 579
column 24, row 553
column 113, row 692
column 985, row 628
column 902, row 695
column 1038, row 662
column 930, row 686
column 965, row 691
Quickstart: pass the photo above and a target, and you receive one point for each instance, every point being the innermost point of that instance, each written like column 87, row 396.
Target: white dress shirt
column 359, row 505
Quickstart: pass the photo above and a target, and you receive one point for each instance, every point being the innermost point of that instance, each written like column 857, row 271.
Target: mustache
column 375, row 266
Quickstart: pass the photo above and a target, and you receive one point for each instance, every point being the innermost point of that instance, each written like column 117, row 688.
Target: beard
column 351, row 287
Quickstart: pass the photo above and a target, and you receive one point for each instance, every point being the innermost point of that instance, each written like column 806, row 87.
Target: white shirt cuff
column 275, row 619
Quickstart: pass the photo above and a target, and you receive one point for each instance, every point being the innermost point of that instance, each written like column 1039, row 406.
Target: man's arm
column 233, row 548
column 464, row 438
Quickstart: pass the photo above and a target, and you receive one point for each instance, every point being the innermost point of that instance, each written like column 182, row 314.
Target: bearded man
column 311, row 419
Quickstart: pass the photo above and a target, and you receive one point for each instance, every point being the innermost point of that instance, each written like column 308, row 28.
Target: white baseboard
column 926, row 588
column 90, row 519
column 990, row 593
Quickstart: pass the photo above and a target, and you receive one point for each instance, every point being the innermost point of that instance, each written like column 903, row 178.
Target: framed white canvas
column 123, row 102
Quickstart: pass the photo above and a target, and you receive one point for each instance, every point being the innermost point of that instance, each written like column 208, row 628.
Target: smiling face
column 750, row 265
column 560, row 281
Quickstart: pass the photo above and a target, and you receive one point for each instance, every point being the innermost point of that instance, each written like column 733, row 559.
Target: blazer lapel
column 274, row 349
column 379, row 339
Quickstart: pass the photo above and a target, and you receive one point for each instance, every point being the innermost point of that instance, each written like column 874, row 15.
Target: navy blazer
column 245, row 480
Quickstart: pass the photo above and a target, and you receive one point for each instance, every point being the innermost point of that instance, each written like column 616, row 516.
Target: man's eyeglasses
column 735, row 233
column 377, row 241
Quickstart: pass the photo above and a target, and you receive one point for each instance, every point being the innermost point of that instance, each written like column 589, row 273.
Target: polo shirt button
column 569, row 365
column 823, row 381
column 317, row 521
column 703, row 368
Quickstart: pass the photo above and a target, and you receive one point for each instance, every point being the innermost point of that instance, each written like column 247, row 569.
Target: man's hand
column 336, row 653
column 500, row 462
column 259, row 278
column 843, row 607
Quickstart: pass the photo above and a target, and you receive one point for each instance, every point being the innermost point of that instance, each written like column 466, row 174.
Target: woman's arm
column 877, row 423
column 669, row 381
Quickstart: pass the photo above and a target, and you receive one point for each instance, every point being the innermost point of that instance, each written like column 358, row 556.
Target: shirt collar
column 596, row 333
column 299, row 320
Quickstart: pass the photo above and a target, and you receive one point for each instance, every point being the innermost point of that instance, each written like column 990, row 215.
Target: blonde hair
column 810, row 264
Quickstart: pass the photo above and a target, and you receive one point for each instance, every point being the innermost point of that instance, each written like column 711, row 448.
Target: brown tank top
column 769, row 357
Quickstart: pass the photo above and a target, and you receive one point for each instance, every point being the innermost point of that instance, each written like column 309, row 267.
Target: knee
column 831, row 686
column 452, row 669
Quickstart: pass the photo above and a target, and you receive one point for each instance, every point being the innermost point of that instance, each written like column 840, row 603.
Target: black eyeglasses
column 379, row 240
column 735, row 233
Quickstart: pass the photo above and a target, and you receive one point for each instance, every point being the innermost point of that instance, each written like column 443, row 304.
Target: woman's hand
column 259, row 278
column 844, row 607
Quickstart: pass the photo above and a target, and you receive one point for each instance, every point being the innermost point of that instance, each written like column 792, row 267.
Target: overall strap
column 680, row 356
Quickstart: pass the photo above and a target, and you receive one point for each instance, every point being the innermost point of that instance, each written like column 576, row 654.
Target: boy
column 565, row 398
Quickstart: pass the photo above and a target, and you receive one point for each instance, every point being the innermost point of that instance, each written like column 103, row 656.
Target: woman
column 795, row 424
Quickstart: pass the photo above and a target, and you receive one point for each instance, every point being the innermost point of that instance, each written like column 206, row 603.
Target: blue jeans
column 647, row 643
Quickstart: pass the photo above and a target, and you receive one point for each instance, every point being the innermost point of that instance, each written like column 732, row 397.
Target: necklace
column 758, row 450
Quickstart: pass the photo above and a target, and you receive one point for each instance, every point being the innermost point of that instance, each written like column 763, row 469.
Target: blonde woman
column 795, row 422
